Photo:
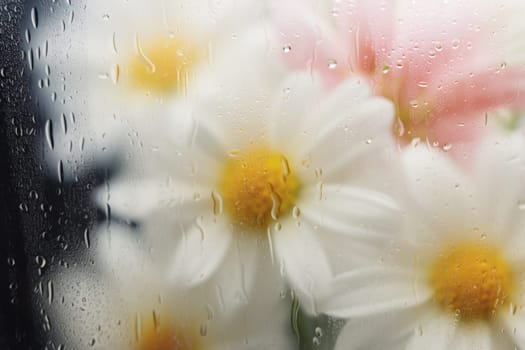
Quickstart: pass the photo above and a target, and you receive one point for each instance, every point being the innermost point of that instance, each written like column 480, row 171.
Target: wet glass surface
column 261, row 174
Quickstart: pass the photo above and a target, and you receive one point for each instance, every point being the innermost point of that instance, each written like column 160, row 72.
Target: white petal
column 264, row 323
column 354, row 225
column 515, row 327
column 500, row 171
column 233, row 102
column 443, row 332
column 349, row 94
column 188, row 131
column 377, row 332
column 436, row 333
column 501, row 339
column 355, row 133
column 354, row 212
column 209, row 139
column 477, row 337
column 305, row 263
column 374, row 290
column 440, row 196
column 131, row 199
column 139, row 199
column 201, row 252
column 293, row 109
column 239, row 276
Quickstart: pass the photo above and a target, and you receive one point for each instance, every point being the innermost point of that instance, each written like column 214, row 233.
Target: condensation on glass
column 224, row 174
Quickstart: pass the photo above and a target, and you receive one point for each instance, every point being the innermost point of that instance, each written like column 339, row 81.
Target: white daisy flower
column 455, row 279
column 129, row 305
column 110, row 66
column 273, row 166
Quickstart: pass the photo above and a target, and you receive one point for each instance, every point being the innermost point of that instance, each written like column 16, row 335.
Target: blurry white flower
column 455, row 279
column 272, row 166
column 118, row 62
column 129, row 305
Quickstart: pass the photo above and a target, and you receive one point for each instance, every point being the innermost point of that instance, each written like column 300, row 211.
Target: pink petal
column 459, row 119
column 433, row 42
column 481, row 92
column 368, row 27
column 308, row 42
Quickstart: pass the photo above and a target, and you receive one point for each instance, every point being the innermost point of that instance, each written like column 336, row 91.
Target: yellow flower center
column 258, row 187
column 472, row 280
column 163, row 66
column 154, row 333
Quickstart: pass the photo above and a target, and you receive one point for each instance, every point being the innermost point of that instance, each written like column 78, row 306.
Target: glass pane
column 262, row 174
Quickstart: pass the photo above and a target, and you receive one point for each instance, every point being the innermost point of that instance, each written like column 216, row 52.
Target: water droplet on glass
column 399, row 127
column 283, row 294
column 62, row 242
column 320, row 186
column 318, row 332
column 64, row 123
column 30, row 58
column 40, row 261
column 114, row 42
column 413, row 103
column 217, row 203
column 296, row 212
column 200, row 226
column 60, row 171
column 285, row 168
column 114, row 73
column 33, row 194
column 34, row 17
column 86, row 237
column 145, row 60
column 203, row 329
column 276, row 205
column 50, row 292
column 332, row 63
column 316, row 341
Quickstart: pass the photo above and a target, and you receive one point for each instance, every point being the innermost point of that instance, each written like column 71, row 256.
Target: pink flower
column 441, row 63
